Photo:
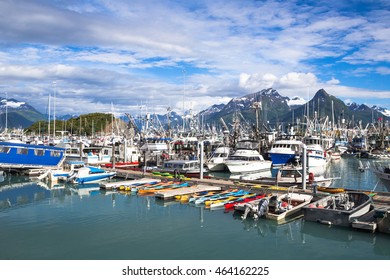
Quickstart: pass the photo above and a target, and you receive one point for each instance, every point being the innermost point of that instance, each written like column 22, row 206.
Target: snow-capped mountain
column 384, row 111
column 12, row 105
column 212, row 110
column 18, row 114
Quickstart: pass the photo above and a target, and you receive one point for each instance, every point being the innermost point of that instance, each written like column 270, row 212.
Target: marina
column 57, row 221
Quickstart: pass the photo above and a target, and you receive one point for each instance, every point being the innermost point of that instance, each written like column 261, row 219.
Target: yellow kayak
column 330, row 190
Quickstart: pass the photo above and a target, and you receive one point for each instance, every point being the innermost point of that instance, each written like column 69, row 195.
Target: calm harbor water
column 65, row 223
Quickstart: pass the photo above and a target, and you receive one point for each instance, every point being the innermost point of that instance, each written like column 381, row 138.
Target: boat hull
column 328, row 211
column 94, row 178
column 24, row 156
column 247, row 166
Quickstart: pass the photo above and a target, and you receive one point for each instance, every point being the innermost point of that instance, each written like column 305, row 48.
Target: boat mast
column 6, row 112
column 48, row 125
column 54, row 110
column 184, row 93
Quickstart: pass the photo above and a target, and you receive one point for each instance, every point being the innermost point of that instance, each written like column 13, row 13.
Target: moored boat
column 338, row 209
column 280, row 207
column 27, row 156
column 286, row 205
column 245, row 160
column 215, row 162
column 89, row 174
column 382, row 171
column 285, row 151
column 382, row 216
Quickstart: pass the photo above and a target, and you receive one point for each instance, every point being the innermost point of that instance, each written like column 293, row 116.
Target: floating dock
column 183, row 191
column 127, row 183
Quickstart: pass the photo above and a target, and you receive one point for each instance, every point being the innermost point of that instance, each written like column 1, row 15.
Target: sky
column 151, row 56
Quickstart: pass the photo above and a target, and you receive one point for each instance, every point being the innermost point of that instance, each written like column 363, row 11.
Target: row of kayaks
column 209, row 199
column 226, row 199
column 222, row 199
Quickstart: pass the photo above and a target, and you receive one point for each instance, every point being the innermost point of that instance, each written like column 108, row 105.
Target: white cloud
column 297, row 80
column 256, row 82
column 132, row 52
column 333, row 81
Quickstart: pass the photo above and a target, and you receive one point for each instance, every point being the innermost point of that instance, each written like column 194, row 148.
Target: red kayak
column 230, row 205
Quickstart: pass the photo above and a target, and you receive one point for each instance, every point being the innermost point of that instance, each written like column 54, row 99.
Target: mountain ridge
column 271, row 108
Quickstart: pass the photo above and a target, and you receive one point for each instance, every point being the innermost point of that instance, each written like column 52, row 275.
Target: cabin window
column 55, row 154
column 4, row 150
column 22, row 151
column 39, row 152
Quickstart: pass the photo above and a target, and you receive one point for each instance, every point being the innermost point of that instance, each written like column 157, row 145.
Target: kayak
column 186, row 197
column 220, row 203
column 219, row 196
column 330, row 190
column 164, row 189
column 230, row 205
column 193, row 198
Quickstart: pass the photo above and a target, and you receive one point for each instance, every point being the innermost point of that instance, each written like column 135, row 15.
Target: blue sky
column 135, row 56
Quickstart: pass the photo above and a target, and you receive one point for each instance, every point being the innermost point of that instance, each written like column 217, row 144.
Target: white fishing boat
column 318, row 158
column 89, row 155
column 246, row 159
column 217, row 158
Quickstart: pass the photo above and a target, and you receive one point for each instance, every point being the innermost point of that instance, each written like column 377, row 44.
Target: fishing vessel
column 317, row 157
column 89, row 155
column 28, row 156
column 283, row 152
column 177, row 167
column 217, row 158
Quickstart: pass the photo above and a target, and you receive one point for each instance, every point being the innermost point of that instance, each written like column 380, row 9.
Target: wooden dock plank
column 188, row 190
